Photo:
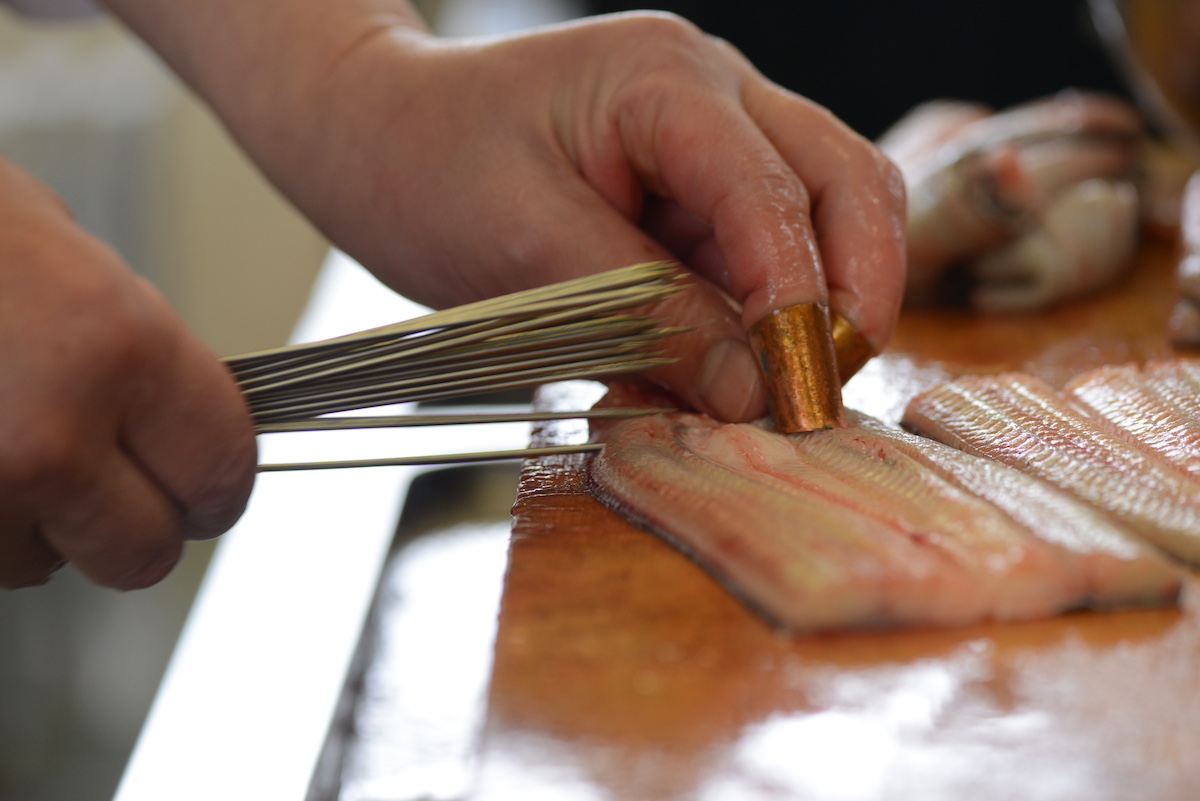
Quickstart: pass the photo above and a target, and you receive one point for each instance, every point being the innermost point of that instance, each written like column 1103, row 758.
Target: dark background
column 870, row 61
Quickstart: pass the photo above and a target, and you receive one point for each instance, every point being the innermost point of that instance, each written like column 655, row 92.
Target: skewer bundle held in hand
column 571, row 330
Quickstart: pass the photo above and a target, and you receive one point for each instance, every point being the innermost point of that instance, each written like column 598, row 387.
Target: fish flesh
column 1035, row 202
column 1157, row 408
column 1085, row 241
column 1119, row 568
column 1019, row 421
column 868, row 526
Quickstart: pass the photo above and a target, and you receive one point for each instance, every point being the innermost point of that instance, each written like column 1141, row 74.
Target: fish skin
column 1144, row 412
column 890, row 537
column 1020, row 421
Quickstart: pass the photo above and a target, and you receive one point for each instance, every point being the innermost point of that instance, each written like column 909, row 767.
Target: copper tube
column 795, row 350
column 853, row 349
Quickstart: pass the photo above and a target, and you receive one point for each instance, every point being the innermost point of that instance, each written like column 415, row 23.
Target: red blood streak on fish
column 854, row 528
column 1018, row 420
column 1157, row 415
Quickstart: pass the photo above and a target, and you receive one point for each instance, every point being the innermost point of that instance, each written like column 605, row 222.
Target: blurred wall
column 233, row 257
column 146, row 168
column 141, row 165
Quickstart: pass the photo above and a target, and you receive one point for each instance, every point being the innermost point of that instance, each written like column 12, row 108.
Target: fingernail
column 731, row 386
column 795, row 346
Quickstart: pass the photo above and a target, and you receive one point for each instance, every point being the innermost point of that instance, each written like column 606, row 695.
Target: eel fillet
column 1157, row 408
column 1019, row 421
column 868, row 526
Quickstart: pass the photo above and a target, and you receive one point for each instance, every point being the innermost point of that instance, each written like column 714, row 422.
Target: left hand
column 456, row 170
column 525, row 160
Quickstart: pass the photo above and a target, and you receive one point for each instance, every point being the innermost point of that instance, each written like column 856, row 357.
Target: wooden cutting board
column 622, row 671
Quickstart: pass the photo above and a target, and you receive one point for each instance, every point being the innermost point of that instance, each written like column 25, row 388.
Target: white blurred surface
column 253, row 686
column 142, row 165
column 478, row 17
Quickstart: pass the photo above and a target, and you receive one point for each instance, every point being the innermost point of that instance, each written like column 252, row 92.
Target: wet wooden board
column 622, row 671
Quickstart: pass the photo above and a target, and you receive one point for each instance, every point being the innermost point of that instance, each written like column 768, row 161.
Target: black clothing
column 870, row 61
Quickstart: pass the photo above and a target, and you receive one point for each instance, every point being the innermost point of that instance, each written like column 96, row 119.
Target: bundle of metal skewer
column 577, row 329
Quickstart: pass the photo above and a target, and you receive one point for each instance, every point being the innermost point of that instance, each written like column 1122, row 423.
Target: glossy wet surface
column 623, row 671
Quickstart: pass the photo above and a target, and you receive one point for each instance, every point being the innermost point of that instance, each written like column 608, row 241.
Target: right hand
column 121, row 435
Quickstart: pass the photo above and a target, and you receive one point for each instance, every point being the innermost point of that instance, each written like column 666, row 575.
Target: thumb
column 715, row 370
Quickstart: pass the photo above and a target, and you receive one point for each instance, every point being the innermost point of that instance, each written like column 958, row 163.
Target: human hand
column 120, row 435
column 457, row 170
column 1035, row 204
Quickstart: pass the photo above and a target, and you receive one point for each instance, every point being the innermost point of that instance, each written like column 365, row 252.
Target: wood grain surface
column 622, row 671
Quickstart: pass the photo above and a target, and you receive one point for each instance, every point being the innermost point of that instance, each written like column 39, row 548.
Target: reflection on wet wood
column 622, row 671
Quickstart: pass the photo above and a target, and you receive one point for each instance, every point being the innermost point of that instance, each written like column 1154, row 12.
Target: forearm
column 258, row 62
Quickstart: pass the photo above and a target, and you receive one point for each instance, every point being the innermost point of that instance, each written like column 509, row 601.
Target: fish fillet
column 1155, row 409
column 1118, row 568
column 866, row 526
column 1177, row 380
column 1019, row 421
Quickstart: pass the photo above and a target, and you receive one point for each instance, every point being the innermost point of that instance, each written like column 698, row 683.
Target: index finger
column 858, row 206
column 802, row 209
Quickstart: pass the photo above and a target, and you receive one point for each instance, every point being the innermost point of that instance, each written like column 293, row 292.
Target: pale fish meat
column 1119, row 568
column 1036, row 203
column 867, row 526
column 1177, row 380
column 1019, row 421
column 1157, row 408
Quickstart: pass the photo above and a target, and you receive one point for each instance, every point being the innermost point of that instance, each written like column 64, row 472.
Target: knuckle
column 530, row 245
column 669, row 49
column 875, row 174
column 665, row 28
column 40, row 455
column 124, row 334
column 777, row 180
column 222, row 493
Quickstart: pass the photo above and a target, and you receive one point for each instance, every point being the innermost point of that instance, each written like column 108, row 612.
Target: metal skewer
column 567, row 331
column 452, row 458
column 420, row 420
